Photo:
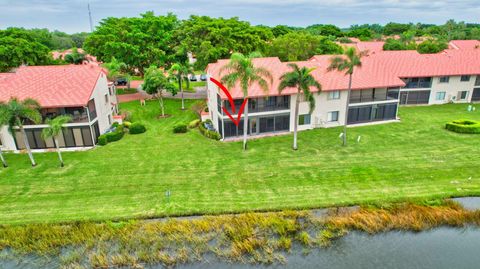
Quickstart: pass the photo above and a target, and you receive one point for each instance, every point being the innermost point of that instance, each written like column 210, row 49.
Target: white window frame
column 444, row 77
column 443, row 93
column 466, row 95
column 334, row 95
column 304, row 115
column 330, row 116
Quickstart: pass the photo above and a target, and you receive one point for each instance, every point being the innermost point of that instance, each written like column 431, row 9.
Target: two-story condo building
column 386, row 80
column 81, row 91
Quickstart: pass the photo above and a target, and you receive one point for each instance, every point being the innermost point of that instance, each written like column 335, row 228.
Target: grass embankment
column 244, row 238
column 416, row 158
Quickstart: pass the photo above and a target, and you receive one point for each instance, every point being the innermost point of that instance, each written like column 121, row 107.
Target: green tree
column 54, row 130
column 302, row 79
column 155, row 83
column 15, row 113
column 210, row 39
column 241, row 70
column 180, row 72
column 75, row 57
column 432, row 46
column 393, row 28
column 18, row 47
column 324, row 30
column 280, row 30
column 300, row 46
column 138, row 42
column 347, row 62
column 115, row 68
column 364, row 34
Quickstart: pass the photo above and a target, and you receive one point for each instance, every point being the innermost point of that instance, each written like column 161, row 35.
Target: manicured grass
column 192, row 85
column 416, row 158
column 121, row 91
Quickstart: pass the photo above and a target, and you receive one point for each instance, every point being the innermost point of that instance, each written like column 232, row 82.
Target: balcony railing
column 374, row 95
column 256, row 105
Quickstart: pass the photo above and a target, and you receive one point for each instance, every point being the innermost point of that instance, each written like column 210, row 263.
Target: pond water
column 439, row 248
column 470, row 203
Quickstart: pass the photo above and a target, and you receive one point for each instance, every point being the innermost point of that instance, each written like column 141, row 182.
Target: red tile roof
column 464, row 44
column 52, row 86
column 379, row 69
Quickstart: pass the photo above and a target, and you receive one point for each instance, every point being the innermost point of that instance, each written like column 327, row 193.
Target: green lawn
column 121, row 91
column 192, row 85
column 416, row 158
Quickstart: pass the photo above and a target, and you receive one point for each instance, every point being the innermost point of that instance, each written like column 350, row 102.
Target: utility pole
column 90, row 16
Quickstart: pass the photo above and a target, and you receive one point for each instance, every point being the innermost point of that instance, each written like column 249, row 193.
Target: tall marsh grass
column 246, row 238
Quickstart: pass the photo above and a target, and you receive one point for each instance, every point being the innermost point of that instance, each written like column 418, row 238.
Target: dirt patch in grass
column 243, row 238
column 163, row 116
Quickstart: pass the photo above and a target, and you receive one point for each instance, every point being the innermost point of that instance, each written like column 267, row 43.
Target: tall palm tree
column 16, row 112
column 54, row 129
column 302, row 79
column 347, row 62
column 179, row 71
column 240, row 69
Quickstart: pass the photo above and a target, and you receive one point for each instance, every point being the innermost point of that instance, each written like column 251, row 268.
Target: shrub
column 464, row 126
column 137, row 128
column 208, row 133
column 102, row 140
column 127, row 124
column 116, row 135
column 194, row 124
column 115, row 124
column 180, row 128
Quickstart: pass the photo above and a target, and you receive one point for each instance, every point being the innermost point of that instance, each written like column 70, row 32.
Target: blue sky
column 72, row 16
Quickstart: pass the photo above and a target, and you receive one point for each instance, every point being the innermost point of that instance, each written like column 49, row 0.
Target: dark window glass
column 38, row 139
column 267, row 125
column 282, row 123
column 87, row 136
column 31, row 139
column 465, row 78
column 68, row 137
column 304, row 119
column 444, row 79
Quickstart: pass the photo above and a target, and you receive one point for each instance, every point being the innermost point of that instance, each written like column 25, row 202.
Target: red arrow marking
column 232, row 104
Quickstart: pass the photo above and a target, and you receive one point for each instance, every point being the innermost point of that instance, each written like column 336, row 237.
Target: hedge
column 115, row 136
column 208, row 133
column 194, row 124
column 180, row 128
column 102, row 140
column 464, row 126
column 137, row 128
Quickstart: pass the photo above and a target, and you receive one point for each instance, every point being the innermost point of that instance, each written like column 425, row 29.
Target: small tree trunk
column 160, row 99
column 295, row 122
column 4, row 162
column 346, row 110
column 188, row 83
column 58, row 151
column 181, row 90
column 245, row 125
column 27, row 145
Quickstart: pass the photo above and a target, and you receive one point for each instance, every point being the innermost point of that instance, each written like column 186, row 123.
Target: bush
column 180, row 128
column 137, row 128
column 115, row 136
column 208, row 133
column 102, row 140
column 127, row 124
column 194, row 124
column 464, row 126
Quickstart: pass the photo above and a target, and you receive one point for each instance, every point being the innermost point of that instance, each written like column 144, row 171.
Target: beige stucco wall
column 451, row 89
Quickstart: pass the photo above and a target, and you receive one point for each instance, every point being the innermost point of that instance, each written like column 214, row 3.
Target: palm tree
column 54, row 129
column 241, row 69
column 115, row 69
column 16, row 112
column 179, row 71
column 347, row 62
column 303, row 80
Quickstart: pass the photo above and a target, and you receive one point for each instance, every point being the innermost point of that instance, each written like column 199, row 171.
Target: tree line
column 147, row 40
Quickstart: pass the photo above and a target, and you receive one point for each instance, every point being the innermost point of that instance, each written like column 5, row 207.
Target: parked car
column 203, row 77
column 193, row 78
column 121, row 82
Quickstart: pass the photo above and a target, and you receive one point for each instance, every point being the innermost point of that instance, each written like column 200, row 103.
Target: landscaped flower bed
column 464, row 126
